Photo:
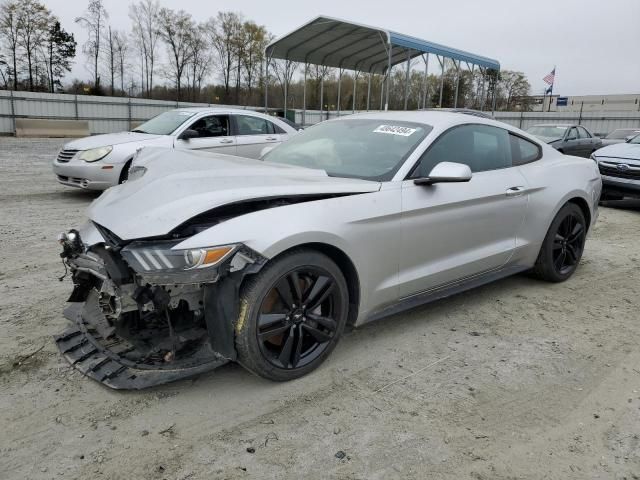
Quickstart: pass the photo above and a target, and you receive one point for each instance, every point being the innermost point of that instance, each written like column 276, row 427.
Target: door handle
column 226, row 140
column 271, row 139
column 515, row 191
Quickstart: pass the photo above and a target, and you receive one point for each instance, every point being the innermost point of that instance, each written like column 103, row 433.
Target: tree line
column 168, row 54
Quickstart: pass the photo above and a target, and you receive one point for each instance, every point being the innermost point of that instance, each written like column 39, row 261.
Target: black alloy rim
column 568, row 243
column 297, row 317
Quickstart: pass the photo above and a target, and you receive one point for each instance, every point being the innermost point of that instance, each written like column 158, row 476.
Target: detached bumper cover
column 104, row 363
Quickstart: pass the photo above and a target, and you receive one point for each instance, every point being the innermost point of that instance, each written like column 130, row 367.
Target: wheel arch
column 346, row 266
column 584, row 206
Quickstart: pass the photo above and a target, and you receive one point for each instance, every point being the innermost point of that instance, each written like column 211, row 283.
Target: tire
column 293, row 338
column 124, row 174
column 560, row 150
column 563, row 245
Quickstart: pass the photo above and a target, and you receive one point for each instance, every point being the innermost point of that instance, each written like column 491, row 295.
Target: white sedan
column 101, row 161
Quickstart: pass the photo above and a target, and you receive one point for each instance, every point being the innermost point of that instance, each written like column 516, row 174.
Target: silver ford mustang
column 201, row 259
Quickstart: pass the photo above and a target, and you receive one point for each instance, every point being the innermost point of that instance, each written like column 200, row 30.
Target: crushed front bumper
column 105, row 363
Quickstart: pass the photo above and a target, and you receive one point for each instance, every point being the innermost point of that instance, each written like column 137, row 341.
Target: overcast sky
column 595, row 45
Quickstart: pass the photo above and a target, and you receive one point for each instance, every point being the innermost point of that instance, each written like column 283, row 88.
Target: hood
column 180, row 184
column 96, row 141
column 611, row 141
column 629, row 151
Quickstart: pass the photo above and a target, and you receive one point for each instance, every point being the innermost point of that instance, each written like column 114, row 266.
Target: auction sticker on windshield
column 395, row 130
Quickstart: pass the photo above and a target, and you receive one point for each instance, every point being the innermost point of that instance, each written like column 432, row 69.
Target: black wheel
column 124, row 174
column 561, row 151
column 291, row 315
column 563, row 245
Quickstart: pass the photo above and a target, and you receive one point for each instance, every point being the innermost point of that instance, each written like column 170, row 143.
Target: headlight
column 157, row 261
column 95, row 154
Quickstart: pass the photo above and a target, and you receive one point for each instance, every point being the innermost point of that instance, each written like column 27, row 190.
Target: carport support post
column 339, row 85
column 482, row 90
column 355, row 82
column 304, row 95
column 286, row 84
column 13, row 111
column 321, row 95
column 266, row 83
column 386, row 103
column 368, row 91
column 384, row 79
column 455, row 98
column 406, row 80
column 441, row 80
column 425, row 81
column 473, row 68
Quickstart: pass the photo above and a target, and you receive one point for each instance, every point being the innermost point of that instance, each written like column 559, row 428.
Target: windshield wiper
column 137, row 130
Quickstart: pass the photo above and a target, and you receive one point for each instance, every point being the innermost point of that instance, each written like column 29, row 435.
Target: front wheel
column 563, row 245
column 291, row 315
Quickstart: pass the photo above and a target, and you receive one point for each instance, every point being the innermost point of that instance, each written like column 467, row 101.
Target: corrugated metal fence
column 104, row 114
column 114, row 114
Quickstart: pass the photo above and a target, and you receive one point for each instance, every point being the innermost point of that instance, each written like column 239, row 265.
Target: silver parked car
column 193, row 263
column 619, row 166
column 101, row 161
column 568, row 139
column 620, row 135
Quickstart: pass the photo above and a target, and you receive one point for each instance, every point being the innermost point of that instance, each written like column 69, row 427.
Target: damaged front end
column 145, row 313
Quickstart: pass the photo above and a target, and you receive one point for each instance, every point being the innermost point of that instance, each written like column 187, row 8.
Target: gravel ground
column 518, row 379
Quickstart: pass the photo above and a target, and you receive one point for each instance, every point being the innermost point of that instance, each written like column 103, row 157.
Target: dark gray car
column 568, row 139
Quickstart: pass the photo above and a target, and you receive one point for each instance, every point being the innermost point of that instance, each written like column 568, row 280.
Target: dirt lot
column 519, row 379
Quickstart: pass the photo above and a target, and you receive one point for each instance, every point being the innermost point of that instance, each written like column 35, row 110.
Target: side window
column 213, row 126
column 583, row 132
column 523, row 151
column 253, row 125
column 480, row 146
column 276, row 128
column 573, row 134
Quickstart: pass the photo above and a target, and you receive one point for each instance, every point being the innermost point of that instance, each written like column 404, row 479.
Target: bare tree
column 121, row 52
column 144, row 16
column 33, row 23
column 256, row 38
column 110, row 60
column 200, row 61
column 284, row 71
column 223, row 33
column 9, row 31
column 176, row 29
column 93, row 21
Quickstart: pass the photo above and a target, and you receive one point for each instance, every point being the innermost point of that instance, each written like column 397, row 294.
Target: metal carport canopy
column 342, row 44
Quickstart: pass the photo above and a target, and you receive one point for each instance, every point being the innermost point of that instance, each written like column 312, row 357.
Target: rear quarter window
column 523, row 151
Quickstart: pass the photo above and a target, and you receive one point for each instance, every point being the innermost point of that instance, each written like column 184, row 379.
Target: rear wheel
column 292, row 314
column 563, row 245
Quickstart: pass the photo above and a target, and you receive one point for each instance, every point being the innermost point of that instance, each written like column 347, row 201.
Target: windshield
column 621, row 133
column 355, row 148
column 549, row 131
column 165, row 123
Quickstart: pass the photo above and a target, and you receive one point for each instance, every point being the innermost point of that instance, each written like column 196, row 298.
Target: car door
column 452, row 231
column 253, row 134
column 214, row 135
column 587, row 142
column 571, row 144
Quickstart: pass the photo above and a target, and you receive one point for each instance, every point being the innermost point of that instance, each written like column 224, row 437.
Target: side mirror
column 446, row 172
column 188, row 134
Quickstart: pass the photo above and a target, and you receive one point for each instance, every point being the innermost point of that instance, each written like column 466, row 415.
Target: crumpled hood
column 629, row 151
column 96, row 141
column 181, row 184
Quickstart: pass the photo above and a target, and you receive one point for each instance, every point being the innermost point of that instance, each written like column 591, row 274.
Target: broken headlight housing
column 158, row 262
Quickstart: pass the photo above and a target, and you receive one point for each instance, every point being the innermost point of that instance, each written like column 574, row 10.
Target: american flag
column 550, row 78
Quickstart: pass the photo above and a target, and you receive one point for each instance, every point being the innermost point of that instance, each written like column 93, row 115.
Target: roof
column 354, row 46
